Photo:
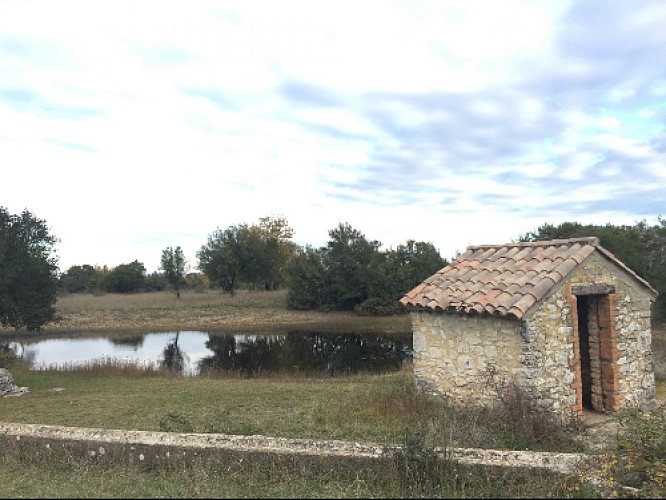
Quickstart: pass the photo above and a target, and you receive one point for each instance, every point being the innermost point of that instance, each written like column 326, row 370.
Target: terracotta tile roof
column 505, row 280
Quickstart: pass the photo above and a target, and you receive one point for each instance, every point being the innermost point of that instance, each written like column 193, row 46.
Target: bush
column 126, row 278
column 7, row 356
column 174, row 422
column 380, row 307
column 418, row 464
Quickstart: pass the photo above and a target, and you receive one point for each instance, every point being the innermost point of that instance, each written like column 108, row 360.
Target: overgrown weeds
column 67, row 470
column 637, row 468
column 112, row 367
column 175, row 422
column 514, row 423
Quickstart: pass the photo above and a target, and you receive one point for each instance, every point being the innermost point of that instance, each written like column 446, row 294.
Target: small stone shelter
column 562, row 320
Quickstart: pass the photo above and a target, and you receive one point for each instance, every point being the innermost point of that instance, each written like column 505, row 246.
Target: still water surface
column 196, row 352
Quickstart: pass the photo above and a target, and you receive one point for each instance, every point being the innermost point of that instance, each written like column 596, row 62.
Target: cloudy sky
column 130, row 126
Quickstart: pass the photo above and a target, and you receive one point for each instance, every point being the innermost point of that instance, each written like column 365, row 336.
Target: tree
column 173, row 264
column 28, row 271
column 394, row 272
column 336, row 276
column 347, row 263
column 85, row 278
column 277, row 230
column 351, row 273
column 155, row 282
column 305, row 279
column 220, row 257
column 126, row 278
column 255, row 255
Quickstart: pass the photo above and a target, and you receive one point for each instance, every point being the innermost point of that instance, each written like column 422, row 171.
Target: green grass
column 362, row 408
column 31, row 472
column 370, row 408
column 281, row 407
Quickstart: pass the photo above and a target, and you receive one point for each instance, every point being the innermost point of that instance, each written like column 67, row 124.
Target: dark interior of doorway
column 584, row 343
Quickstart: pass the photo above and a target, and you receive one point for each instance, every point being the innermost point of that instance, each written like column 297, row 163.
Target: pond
column 247, row 354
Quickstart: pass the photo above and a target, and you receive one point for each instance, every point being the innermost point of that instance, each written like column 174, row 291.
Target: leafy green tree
column 653, row 242
column 395, row 272
column 305, row 279
column 155, row 282
column 351, row 273
column 173, row 264
column 258, row 259
column 81, row 279
column 28, row 271
column 255, row 255
column 220, row 258
column 347, row 263
column 278, row 230
column 126, row 278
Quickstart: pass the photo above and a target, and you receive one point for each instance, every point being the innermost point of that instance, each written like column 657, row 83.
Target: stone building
column 562, row 320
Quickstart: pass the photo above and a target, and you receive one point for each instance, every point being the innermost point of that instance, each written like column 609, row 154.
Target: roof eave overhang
column 462, row 312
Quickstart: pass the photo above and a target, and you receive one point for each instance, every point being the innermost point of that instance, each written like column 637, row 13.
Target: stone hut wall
column 455, row 354
column 620, row 343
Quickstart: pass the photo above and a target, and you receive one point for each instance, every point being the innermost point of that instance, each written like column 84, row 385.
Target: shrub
column 376, row 306
column 418, row 464
column 174, row 422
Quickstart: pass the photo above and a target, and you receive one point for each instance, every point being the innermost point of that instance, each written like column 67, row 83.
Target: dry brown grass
column 211, row 310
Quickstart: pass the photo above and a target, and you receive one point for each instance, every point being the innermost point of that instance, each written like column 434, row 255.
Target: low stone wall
column 137, row 445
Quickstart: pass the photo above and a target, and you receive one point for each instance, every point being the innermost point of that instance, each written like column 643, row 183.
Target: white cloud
column 133, row 126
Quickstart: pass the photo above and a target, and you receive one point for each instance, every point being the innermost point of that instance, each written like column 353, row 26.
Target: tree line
column 350, row 273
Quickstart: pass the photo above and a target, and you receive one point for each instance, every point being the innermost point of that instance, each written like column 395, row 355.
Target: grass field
column 361, row 408
column 211, row 310
column 371, row 408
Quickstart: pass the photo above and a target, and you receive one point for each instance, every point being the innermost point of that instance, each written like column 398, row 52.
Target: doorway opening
column 598, row 370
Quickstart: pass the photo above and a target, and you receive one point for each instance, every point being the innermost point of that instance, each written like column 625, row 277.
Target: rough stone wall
column 547, row 375
column 630, row 320
column 7, row 387
column 6, row 382
column 454, row 354
column 626, row 369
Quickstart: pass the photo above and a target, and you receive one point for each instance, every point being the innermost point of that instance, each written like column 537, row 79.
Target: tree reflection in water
column 248, row 355
column 305, row 353
column 174, row 358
